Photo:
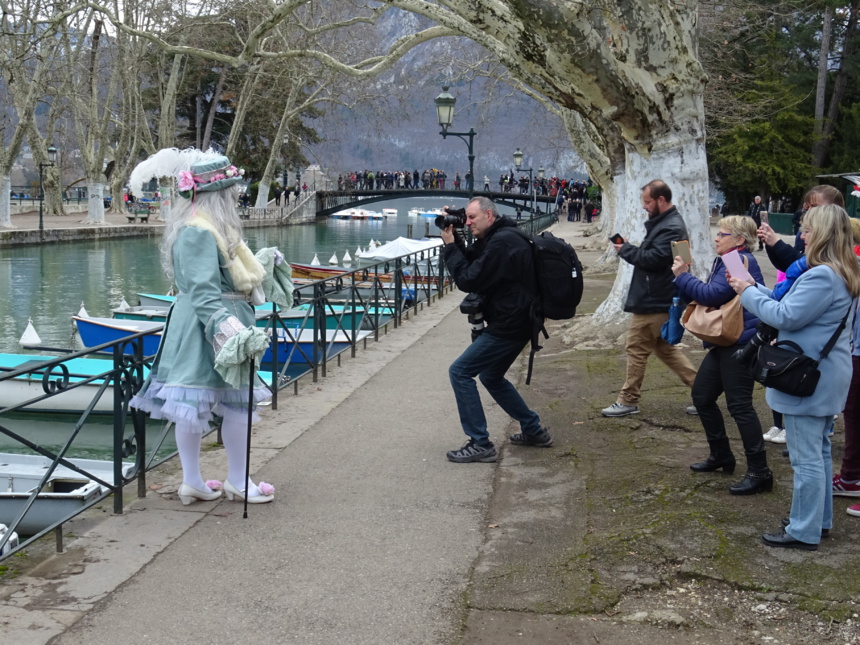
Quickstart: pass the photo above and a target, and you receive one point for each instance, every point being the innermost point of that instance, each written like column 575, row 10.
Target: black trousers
column 721, row 373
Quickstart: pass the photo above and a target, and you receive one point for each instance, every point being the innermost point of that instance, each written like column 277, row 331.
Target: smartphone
column 682, row 249
column 763, row 215
column 617, row 239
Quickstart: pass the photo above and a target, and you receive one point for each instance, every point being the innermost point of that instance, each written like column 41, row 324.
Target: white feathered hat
column 194, row 169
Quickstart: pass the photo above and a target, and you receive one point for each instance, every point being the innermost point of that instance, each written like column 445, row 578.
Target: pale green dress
column 183, row 385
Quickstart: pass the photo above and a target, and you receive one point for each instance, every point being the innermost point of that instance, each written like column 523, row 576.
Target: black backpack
column 558, row 273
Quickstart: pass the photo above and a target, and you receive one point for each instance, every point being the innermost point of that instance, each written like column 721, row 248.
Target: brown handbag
column 721, row 326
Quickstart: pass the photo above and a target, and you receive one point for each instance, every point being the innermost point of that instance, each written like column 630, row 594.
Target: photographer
column 498, row 270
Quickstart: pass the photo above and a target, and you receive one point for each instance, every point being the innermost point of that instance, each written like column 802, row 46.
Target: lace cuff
column 227, row 328
column 231, row 362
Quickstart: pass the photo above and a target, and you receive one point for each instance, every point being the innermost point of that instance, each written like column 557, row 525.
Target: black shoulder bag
column 790, row 370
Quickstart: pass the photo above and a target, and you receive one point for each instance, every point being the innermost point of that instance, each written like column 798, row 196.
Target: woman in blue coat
column 808, row 308
column 720, row 372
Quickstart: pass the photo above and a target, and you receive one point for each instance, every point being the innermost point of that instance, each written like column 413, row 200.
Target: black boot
column 752, row 483
column 727, row 463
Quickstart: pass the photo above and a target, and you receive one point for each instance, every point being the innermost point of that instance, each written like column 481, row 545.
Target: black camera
column 455, row 218
column 473, row 307
column 764, row 335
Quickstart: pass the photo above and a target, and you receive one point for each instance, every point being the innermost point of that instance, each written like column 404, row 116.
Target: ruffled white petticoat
column 193, row 408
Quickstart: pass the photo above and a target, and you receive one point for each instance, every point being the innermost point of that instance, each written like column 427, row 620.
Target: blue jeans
column 488, row 358
column 812, row 500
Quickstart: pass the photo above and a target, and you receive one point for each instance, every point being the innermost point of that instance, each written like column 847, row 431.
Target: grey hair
column 486, row 204
column 219, row 206
column 741, row 226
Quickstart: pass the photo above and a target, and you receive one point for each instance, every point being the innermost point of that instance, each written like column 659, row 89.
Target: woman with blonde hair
column 719, row 372
column 808, row 307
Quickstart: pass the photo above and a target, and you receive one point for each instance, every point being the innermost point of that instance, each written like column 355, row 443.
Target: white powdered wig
column 168, row 162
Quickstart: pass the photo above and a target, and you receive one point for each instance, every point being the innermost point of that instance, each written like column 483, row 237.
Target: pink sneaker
column 853, row 510
column 844, row 489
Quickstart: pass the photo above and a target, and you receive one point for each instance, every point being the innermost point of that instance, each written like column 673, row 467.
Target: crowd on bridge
column 401, row 179
column 435, row 178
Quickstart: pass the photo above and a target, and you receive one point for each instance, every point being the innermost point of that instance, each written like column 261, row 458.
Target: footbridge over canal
column 331, row 201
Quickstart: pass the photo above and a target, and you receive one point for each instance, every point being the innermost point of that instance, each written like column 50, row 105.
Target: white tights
column 234, row 433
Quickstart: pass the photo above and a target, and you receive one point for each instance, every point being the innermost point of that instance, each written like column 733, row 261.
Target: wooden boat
column 298, row 346
column 357, row 214
column 365, row 286
column 433, row 212
column 295, row 318
column 95, row 331
column 29, row 386
column 11, row 543
column 153, row 313
column 64, row 494
column 98, row 331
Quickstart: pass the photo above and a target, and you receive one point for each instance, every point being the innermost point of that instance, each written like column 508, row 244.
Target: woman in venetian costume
column 202, row 366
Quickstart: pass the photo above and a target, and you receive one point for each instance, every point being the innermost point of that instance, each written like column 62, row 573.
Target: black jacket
column 500, row 267
column 754, row 211
column 652, row 287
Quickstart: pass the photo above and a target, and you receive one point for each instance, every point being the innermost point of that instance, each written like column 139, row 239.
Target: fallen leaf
column 492, row 526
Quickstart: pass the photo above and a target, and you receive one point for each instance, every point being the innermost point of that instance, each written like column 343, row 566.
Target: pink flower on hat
column 186, row 180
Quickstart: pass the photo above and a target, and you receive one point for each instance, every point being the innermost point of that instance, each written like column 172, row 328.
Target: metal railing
column 122, row 377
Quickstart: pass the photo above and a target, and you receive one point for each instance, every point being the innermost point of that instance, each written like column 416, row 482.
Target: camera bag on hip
column 558, row 274
column 790, row 370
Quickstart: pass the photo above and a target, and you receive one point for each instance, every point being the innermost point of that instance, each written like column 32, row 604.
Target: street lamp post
column 445, row 114
column 52, row 155
column 518, row 162
column 285, row 141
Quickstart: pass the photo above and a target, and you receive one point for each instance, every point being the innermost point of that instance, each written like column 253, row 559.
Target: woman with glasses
column 808, row 307
column 719, row 372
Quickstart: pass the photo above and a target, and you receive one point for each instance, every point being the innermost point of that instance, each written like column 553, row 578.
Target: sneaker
column 853, row 510
column 619, row 410
column 842, row 488
column 770, row 434
column 540, row 440
column 779, row 437
column 472, row 451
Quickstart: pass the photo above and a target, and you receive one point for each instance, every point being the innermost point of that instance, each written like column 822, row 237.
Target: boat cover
column 399, row 247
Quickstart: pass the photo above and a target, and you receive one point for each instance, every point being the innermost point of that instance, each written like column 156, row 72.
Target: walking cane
column 248, row 446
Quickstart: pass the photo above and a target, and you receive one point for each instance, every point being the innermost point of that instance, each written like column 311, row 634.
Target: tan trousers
column 643, row 339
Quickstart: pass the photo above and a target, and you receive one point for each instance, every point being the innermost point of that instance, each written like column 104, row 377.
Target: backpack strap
column 535, row 310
